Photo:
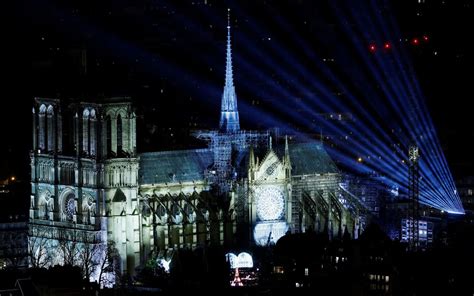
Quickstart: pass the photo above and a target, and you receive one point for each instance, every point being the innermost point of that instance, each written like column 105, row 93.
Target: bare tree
column 38, row 247
column 68, row 246
column 110, row 269
column 90, row 256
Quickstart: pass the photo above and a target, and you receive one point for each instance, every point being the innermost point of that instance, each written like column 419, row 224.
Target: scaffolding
column 224, row 145
column 413, row 194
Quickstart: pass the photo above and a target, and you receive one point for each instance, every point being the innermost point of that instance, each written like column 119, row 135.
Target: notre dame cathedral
column 90, row 186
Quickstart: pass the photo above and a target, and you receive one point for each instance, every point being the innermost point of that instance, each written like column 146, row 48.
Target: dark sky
column 170, row 58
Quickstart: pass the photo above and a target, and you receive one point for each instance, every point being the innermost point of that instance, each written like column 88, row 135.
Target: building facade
column 90, row 188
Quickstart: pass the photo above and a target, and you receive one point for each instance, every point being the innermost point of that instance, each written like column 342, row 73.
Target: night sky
column 170, row 58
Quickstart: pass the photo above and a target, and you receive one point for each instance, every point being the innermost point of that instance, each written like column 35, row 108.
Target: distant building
column 13, row 225
column 369, row 189
column 465, row 189
column 425, row 232
column 13, row 244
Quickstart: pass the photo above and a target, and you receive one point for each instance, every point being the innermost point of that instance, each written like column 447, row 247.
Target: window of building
column 109, row 135
column 119, row 133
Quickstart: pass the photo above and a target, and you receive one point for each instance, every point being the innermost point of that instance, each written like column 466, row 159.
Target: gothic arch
column 67, row 201
column 45, row 204
column 121, row 112
column 85, row 113
column 88, row 202
column 85, row 130
column 110, row 113
column 42, row 127
column 50, row 110
column 50, row 129
column 176, row 213
column 162, row 213
column 92, row 131
column 88, row 208
column 119, row 134
column 42, row 109
column 202, row 212
column 189, row 212
column 108, row 133
column 145, row 207
column 115, row 112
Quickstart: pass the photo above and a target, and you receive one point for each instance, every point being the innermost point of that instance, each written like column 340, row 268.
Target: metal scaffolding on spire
column 229, row 139
column 413, row 194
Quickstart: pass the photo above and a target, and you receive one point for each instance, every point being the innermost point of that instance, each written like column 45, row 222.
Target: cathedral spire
column 229, row 121
column 286, row 159
column 251, row 158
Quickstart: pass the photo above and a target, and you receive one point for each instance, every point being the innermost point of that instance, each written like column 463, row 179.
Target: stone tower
column 84, row 172
column 121, row 181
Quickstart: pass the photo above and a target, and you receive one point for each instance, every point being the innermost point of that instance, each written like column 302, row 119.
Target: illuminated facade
column 424, row 236
column 90, row 186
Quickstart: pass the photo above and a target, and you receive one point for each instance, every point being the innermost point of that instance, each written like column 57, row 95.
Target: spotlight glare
column 455, row 212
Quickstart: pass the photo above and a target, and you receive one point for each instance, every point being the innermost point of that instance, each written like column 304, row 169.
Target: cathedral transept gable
column 270, row 168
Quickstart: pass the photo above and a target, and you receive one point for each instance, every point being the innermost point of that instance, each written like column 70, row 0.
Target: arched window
column 85, row 131
column 50, row 129
column 69, row 207
column 119, row 134
column 109, row 135
column 88, row 209
column 92, row 132
column 42, row 127
column 44, row 205
column 177, row 215
column 189, row 211
column 161, row 211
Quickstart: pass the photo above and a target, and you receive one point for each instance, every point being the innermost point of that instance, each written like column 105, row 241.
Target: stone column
column 34, row 131
column 59, row 133
column 195, row 236
column 42, row 134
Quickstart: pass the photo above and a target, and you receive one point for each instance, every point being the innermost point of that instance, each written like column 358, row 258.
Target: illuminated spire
column 286, row 159
column 251, row 158
column 229, row 121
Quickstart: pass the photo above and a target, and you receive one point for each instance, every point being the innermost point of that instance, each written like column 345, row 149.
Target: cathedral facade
column 90, row 187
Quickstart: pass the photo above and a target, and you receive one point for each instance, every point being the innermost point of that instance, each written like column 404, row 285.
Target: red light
column 372, row 48
column 425, row 37
column 387, row 45
column 415, row 41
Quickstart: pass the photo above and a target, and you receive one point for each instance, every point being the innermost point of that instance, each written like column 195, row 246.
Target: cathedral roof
column 174, row 166
column 309, row 158
column 190, row 165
